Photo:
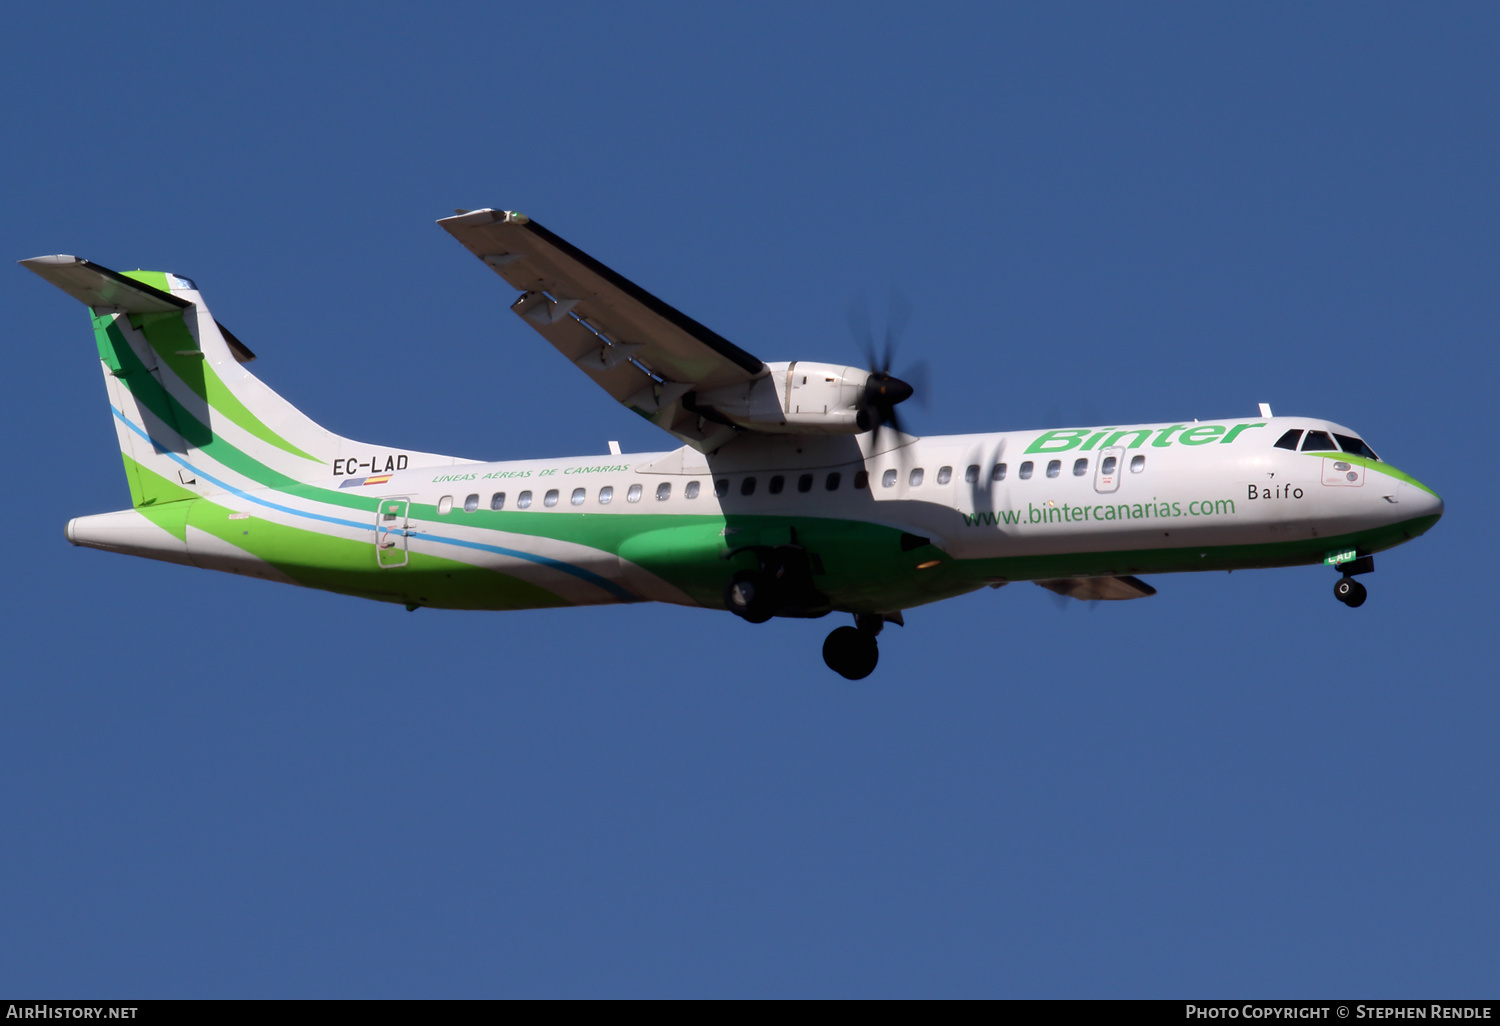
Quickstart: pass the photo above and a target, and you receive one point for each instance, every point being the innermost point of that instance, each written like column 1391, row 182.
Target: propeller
column 884, row 391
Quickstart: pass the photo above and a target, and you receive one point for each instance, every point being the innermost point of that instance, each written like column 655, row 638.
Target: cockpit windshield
column 1319, row 441
column 1355, row 446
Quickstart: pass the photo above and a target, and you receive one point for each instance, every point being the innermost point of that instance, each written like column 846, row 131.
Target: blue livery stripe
column 531, row 557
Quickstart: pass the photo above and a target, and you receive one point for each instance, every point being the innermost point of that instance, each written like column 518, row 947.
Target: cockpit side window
column 1355, row 446
column 1289, row 440
column 1318, row 441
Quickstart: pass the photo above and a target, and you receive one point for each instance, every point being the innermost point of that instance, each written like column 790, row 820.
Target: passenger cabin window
column 1109, row 465
column 861, row 480
column 1318, row 441
column 776, row 484
column 916, row 477
column 550, row 499
column 832, row 484
column 945, row 474
column 606, row 495
column 804, row 483
column 721, row 487
column 1054, row 467
column 1026, row 471
column 1137, row 464
column 471, row 502
column 523, row 501
column 971, row 476
column 998, row 474
column 497, row 501
column 747, row 486
column 1289, row 440
column 888, row 479
column 445, row 505
column 634, row 494
column 579, row 494
column 1355, row 447
column 664, row 491
column 1080, row 467
column 691, row 491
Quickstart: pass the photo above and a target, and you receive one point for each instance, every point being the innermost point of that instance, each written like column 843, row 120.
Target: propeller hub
column 886, row 390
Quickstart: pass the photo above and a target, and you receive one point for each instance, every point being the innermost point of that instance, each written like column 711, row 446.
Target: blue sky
column 1099, row 213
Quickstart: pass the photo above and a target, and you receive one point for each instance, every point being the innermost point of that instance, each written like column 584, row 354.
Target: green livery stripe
column 329, row 563
column 1195, row 557
column 137, row 494
column 174, row 345
column 1376, row 465
column 156, row 279
column 157, row 492
column 153, row 395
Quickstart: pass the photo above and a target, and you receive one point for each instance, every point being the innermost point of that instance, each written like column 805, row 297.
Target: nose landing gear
column 1349, row 591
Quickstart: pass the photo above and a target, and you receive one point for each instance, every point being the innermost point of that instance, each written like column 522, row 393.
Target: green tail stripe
column 155, row 490
column 156, row 279
column 152, row 395
column 174, row 345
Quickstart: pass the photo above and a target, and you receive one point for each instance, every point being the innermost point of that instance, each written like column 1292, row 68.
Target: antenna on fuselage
column 1265, row 410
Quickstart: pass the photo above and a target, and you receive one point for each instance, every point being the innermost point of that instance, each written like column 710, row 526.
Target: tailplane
column 191, row 419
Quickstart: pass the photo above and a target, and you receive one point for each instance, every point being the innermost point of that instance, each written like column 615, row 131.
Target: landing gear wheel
column 851, row 652
column 749, row 596
column 1350, row 592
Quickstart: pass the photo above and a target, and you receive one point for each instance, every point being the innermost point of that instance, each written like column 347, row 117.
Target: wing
column 649, row 356
column 1095, row 588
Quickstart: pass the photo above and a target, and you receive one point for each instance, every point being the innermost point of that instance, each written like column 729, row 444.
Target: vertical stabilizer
column 191, row 418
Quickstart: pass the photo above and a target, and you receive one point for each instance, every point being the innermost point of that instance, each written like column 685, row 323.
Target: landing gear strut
column 852, row 652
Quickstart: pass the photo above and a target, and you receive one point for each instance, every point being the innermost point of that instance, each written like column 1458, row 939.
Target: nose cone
column 1419, row 501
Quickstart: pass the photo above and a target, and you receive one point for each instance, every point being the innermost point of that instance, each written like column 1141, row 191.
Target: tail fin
column 191, row 419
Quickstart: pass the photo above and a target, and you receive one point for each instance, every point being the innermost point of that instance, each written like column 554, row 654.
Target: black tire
column 851, row 653
column 1350, row 592
column 749, row 596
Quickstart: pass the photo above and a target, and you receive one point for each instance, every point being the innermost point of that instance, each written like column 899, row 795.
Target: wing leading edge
column 648, row 355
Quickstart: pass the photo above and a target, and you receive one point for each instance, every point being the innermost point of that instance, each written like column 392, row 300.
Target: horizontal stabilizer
column 98, row 286
column 1099, row 588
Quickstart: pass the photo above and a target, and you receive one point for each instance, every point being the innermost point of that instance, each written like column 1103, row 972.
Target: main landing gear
column 851, row 652
column 1349, row 591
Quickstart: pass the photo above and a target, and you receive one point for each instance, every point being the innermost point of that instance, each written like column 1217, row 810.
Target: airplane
column 793, row 491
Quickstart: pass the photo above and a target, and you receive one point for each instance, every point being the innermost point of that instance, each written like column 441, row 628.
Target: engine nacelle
column 799, row 398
